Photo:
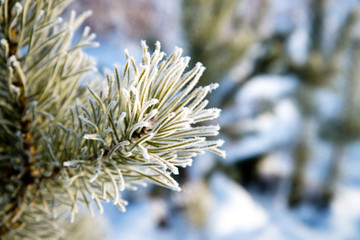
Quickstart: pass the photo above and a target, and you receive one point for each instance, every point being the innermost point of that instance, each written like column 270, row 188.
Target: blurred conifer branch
column 62, row 147
column 218, row 35
column 322, row 67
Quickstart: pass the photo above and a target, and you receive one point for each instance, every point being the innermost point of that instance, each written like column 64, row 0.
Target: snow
column 236, row 213
column 139, row 222
column 346, row 212
column 263, row 130
column 234, row 210
column 298, row 45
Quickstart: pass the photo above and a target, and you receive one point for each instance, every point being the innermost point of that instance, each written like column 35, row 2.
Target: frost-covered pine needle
column 143, row 125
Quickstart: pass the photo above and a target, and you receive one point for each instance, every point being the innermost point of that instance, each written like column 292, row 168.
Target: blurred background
column 289, row 74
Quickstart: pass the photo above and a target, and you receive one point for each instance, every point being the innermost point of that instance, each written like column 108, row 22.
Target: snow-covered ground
column 236, row 214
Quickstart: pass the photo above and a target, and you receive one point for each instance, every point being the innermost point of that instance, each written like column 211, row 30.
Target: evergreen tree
column 63, row 145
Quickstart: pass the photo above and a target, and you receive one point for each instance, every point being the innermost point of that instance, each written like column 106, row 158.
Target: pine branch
column 126, row 137
column 62, row 147
column 26, row 68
